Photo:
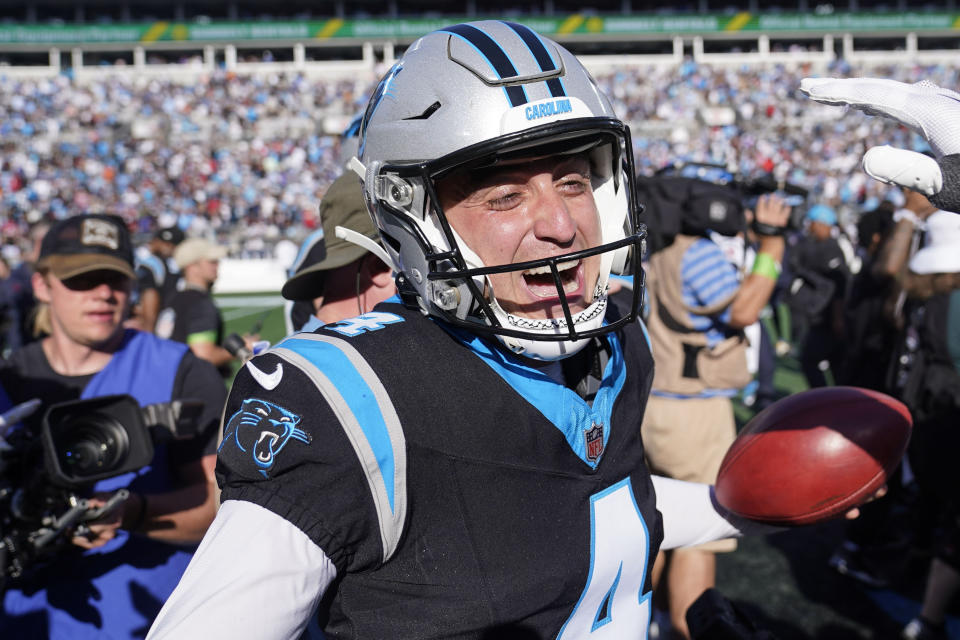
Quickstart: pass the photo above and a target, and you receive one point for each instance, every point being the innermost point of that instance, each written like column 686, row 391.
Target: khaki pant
column 686, row 439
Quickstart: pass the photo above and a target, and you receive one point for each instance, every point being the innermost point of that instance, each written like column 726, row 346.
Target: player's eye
column 504, row 202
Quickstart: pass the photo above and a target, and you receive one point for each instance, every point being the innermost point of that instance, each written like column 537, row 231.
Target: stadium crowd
column 228, row 154
column 247, row 158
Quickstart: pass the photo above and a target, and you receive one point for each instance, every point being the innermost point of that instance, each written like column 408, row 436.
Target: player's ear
column 377, row 272
column 41, row 289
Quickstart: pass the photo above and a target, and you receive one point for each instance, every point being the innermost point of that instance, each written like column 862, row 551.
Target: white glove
column 924, row 107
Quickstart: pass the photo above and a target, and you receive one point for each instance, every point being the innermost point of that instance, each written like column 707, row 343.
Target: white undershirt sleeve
column 254, row 575
column 692, row 516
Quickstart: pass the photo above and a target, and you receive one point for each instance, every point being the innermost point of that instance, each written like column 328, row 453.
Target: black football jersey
column 459, row 492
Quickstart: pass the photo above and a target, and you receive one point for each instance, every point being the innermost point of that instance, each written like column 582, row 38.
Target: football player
column 465, row 460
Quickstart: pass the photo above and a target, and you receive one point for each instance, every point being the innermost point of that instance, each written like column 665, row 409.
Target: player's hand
column 854, row 513
column 931, row 111
column 103, row 529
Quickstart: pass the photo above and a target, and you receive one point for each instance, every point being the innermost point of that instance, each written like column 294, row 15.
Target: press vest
column 116, row 590
column 686, row 363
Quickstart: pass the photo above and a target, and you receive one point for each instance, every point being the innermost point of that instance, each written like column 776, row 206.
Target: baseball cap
column 194, row 249
column 84, row 243
column 822, row 213
column 173, row 235
column 941, row 245
column 342, row 206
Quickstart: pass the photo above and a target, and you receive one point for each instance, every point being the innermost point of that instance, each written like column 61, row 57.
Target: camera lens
column 92, row 445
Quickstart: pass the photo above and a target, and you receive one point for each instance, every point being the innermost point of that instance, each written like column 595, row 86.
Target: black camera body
column 698, row 199
column 88, row 440
column 44, row 475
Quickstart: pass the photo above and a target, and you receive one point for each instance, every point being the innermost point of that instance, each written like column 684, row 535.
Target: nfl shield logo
column 594, row 439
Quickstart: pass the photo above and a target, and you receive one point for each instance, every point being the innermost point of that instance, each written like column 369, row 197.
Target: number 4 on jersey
column 372, row 321
column 613, row 604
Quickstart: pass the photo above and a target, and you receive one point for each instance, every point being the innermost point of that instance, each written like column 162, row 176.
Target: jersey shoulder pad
column 312, row 405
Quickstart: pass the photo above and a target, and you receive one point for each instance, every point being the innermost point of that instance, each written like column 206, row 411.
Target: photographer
column 698, row 309
column 127, row 563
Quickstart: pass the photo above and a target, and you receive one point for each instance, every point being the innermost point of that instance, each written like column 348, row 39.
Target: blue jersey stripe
column 495, row 55
column 367, row 416
column 358, row 396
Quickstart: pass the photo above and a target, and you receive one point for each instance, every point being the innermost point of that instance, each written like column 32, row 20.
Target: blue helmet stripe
column 540, row 54
column 495, row 55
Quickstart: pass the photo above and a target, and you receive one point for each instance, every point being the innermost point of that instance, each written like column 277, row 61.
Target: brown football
column 813, row 455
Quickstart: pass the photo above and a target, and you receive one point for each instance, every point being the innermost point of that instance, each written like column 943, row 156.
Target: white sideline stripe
column 228, row 302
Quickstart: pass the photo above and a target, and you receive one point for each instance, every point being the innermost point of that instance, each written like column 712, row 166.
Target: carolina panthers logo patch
column 262, row 429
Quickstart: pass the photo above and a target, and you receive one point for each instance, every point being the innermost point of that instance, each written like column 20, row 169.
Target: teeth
column 563, row 266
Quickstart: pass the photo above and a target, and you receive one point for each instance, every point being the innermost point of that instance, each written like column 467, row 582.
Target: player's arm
column 692, row 516
column 931, row 111
column 255, row 575
column 202, row 336
column 297, row 510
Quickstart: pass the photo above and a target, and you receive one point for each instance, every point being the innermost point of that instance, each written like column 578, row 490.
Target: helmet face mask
column 440, row 272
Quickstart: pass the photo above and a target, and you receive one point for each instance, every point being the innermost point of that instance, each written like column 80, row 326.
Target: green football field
column 253, row 312
column 260, row 313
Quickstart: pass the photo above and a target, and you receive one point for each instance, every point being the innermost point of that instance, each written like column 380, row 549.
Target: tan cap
column 342, row 206
column 195, row 249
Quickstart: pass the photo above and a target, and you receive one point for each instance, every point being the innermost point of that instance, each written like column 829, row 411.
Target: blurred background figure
column 868, row 333
column 23, row 304
column 816, row 294
column 698, row 307
column 931, row 388
column 333, row 278
column 881, row 353
column 192, row 317
column 157, row 276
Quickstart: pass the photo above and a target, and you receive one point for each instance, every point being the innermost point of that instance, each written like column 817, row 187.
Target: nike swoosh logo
column 268, row 381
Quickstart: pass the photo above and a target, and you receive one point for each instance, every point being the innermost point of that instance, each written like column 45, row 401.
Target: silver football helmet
column 471, row 96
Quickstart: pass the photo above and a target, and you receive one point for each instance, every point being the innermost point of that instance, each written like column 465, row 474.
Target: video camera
column 699, row 198
column 43, row 475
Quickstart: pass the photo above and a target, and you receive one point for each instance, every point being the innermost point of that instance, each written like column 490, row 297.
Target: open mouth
column 539, row 280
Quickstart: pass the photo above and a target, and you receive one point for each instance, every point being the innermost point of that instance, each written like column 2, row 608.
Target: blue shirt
column 708, row 278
